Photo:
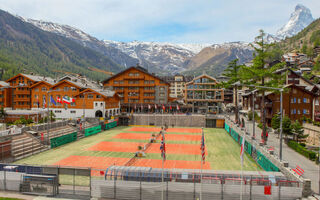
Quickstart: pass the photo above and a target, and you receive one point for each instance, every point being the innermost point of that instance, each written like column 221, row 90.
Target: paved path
column 311, row 170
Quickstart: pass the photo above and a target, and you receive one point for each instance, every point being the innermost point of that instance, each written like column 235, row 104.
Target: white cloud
column 206, row 20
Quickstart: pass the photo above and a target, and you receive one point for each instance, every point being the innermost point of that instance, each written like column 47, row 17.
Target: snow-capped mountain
column 159, row 57
column 169, row 58
column 299, row 19
column 86, row 40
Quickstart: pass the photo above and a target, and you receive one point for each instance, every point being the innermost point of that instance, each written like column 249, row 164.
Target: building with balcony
column 135, row 86
column 30, row 96
column 177, row 85
column 5, row 95
column 203, row 95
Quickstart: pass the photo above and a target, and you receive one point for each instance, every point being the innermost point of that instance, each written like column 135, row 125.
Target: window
column 306, row 100
column 81, row 96
column 90, row 96
column 161, row 88
column 136, row 74
column 299, row 100
column 36, row 96
column 96, row 104
column 57, row 111
column 43, row 89
column 317, row 102
column 131, row 74
column 121, row 82
column 101, row 104
column 298, row 111
column 98, row 96
column 66, row 88
column 161, row 94
column 73, row 111
column 73, row 89
column 72, row 104
column 115, row 82
column 36, row 89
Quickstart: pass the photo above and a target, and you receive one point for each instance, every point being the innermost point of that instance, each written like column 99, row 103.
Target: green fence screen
column 92, row 131
column 111, row 125
column 264, row 162
column 58, row 141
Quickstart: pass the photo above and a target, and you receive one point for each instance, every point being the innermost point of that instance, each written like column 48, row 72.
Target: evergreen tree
column 275, row 122
column 232, row 72
column 297, row 129
column 261, row 73
column 286, row 126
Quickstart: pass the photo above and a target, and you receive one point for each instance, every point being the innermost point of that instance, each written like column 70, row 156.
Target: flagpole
column 241, row 180
column 162, row 117
column 241, row 157
column 163, row 156
column 201, row 169
column 162, row 178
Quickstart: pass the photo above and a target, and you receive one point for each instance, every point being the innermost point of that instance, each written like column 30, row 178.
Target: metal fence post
column 194, row 190
column 250, row 187
column 4, row 180
column 74, row 180
column 221, row 182
column 167, row 191
column 279, row 191
column 114, row 188
column 140, row 189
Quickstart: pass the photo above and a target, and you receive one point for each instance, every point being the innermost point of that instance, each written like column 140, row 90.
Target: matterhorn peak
column 299, row 19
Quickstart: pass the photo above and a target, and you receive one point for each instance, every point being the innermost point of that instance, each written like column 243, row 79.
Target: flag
column 203, row 148
column 242, row 150
column 38, row 103
column 178, row 108
column 44, row 102
column 155, row 106
column 170, row 107
column 141, row 107
column 163, row 108
column 59, row 100
column 53, row 101
column 163, row 146
column 68, row 100
column 149, row 107
column 135, row 106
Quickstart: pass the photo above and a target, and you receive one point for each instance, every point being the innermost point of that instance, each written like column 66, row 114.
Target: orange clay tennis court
column 144, row 136
column 189, row 149
column 172, row 130
column 102, row 162
column 141, row 133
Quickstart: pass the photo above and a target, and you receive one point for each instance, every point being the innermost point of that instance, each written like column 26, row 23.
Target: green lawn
column 223, row 151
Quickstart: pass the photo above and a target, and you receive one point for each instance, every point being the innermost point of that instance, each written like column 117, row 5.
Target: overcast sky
column 179, row 21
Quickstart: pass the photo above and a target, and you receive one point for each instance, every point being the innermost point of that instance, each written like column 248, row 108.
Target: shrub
column 250, row 116
column 302, row 150
column 309, row 120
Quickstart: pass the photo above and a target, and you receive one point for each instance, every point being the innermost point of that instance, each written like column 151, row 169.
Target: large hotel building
column 29, row 96
column 137, row 88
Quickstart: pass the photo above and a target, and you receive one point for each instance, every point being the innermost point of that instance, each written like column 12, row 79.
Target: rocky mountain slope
column 169, row 58
column 86, row 40
column 24, row 47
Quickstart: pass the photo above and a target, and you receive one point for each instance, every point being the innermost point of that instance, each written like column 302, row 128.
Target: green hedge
column 303, row 151
column 64, row 139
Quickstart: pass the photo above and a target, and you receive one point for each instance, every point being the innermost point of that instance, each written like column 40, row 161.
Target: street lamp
column 253, row 120
column 281, row 113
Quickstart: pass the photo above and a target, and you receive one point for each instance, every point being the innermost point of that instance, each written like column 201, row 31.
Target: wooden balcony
column 133, row 77
column 148, row 97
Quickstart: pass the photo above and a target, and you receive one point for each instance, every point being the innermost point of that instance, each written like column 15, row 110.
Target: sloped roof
column 4, row 84
column 141, row 69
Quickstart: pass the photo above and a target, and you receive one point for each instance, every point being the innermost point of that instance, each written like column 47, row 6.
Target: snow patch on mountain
column 299, row 19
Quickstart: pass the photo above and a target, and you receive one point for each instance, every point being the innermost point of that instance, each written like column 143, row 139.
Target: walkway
column 311, row 170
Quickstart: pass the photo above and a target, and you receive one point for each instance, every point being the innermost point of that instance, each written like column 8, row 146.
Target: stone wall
column 168, row 119
column 314, row 134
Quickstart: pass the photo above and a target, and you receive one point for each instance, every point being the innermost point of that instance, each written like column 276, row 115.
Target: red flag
column 155, row 106
column 170, row 107
column 163, row 147
column 149, row 107
column 242, row 150
column 203, row 148
column 163, row 108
